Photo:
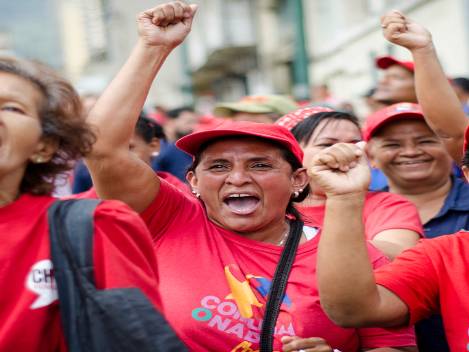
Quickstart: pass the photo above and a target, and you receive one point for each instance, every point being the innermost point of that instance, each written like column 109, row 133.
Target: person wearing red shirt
column 41, row 133
column 217, row 256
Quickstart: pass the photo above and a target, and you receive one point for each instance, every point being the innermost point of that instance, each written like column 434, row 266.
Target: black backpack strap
column 71, row 228
column 279, row 285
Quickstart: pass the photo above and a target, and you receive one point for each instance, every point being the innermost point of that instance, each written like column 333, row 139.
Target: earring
column 297, row 193
column 38, row 159
column 155, row 154
column 196, row 194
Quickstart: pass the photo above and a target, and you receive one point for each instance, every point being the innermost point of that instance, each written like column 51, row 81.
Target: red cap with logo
column 384, row 62
column 192, row 142
column 293, row 118
column 390, row 113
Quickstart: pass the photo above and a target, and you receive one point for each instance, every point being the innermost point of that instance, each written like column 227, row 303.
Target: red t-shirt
column 173, row 180
column 123, row 257
column 213, row 284
column 432, row 277
column 382, row 211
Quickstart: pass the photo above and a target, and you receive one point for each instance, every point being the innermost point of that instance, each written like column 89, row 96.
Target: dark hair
column 305, row 129
column 288, row 156
column 461, row 82
column 62, row 122
column 148, row 128
column 174, row 113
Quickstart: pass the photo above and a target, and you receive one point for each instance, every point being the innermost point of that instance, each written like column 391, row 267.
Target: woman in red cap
column 217, row 257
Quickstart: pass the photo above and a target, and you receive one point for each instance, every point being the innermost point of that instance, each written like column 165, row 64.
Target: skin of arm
column 116, row 172
column 393, row 242
column 441, row 107
column 348, row 292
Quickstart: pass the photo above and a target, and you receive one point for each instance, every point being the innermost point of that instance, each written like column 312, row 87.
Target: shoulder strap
column 71, row 240
column 279, row 285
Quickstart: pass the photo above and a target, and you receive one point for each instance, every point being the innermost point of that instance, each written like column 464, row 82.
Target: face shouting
column 246, row 184
column 20, row 128
column 410, row 154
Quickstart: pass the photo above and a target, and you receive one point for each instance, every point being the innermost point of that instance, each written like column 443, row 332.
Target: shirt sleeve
column 387, row 211
column 379, row 337
column 413, row 278
column 122, row 251
column 170, row 211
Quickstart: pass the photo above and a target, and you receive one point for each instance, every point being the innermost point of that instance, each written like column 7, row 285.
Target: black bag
column 279, row 286
column 110, row 320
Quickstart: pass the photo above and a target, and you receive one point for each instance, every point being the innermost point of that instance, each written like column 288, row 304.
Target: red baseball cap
column 390, row 113
column 192, row 142
column 293, row 118
column 384, row 62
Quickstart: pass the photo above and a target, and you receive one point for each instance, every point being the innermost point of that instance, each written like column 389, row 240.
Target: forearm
column 345, row 277
column 117, row 110
column 438, row 100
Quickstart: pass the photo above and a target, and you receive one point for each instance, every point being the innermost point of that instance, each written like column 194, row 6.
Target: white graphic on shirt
column 41, row 281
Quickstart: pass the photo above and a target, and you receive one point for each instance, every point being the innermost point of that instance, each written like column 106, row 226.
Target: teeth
column 238, row 195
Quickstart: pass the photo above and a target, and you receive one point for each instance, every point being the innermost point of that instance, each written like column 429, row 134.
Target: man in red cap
column 397, row 82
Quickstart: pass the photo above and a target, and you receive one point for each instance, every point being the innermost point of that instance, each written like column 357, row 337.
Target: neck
column 273, row 234
column 427, row 199
column 9, row 188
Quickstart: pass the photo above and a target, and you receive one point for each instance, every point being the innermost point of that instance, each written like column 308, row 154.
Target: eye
column 391, row 145
column 218, row 167
column 12, row 108
column 261, row 166
column 325, row 145
column 427, row 141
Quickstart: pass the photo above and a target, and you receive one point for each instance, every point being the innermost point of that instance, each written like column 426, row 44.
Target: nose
column 410, row 150
column 238, row 176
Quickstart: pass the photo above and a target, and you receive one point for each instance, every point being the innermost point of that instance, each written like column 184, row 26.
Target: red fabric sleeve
column 387, row 211
column 412, row 277
column 379, row 337
column 171, row 209
column 122, row 250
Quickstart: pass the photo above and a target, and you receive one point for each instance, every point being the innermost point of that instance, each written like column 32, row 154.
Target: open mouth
column 242, row 203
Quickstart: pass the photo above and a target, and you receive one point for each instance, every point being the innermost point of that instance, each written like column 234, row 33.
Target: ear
column 192, row 179
column 300, row 179
column 154, row 145
column 45, row 150
column 370, row 151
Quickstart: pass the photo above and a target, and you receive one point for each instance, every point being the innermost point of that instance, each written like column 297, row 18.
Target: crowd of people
column 197, row 212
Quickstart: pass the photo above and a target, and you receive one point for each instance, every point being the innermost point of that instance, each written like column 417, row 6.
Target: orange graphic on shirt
column 242, row 294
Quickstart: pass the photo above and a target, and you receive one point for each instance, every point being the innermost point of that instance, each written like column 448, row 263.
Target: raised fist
column 340, row 169
column 400, row 30
column 166, row 24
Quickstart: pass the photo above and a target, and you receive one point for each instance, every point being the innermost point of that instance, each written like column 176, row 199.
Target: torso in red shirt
column 28, row 297
column 214, row 284
column 433, row 277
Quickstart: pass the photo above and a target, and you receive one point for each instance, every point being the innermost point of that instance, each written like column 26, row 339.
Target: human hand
column 340, row 169
column 400, row 30
column 167, row 24
column 310, row 344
